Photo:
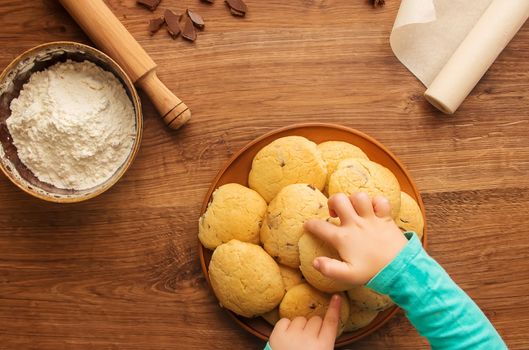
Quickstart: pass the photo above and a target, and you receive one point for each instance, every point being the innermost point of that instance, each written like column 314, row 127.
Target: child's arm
column 434, row 304
column 375, row 252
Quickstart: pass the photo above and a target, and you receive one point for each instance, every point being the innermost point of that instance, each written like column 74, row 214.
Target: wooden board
column 121, row 271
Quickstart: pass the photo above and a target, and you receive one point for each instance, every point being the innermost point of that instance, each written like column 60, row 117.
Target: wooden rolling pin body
column 107, row 32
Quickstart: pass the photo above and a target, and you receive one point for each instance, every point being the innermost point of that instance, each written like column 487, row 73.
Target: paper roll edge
column 437, row 103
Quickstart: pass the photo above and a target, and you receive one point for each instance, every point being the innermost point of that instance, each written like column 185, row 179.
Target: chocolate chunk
column 188, row 29
column 155, row 24
column 208, row 1
column 378, row 2
column 237, row 7
column 196, row 19
column 237, row 13
column 173, row 25
column 150, row 4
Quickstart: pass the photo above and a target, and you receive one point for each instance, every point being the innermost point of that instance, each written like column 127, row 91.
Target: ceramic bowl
column 15, row 76
column 237, row 169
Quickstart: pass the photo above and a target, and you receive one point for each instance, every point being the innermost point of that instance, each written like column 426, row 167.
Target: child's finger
column 381, row 206
column 329, row 327
column 281, row 325
column 333, row 268
column 297, row 323
column 323, row 230
column 362, row 204
column 313, row 325
column 341, row 205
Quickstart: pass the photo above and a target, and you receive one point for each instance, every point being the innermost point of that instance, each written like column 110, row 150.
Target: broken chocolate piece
column 188, row 29
column 173, row 25
column 150, row 4
column 237, row 7
column 196, row 18
column 155, row 24
column 237, row 13
column 378, row 2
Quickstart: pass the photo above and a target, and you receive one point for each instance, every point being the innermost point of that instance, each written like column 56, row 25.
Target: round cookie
column 369, row 299
column 245, row 279
column 287, row 160
column 333, row 152
column 291, row 277
column 235, row 212
column 311, row 247
column 410, row 215
column 286, row 214
column 306, row 301
column 358, row 317
column 361, row 175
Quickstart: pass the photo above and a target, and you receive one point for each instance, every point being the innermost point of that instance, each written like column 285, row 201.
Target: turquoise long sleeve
column 440, row 310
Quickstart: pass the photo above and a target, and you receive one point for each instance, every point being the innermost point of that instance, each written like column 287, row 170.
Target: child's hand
column 314, row 334
column 367, row 240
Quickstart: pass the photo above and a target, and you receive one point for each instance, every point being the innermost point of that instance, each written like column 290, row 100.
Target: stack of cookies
column 262, row 257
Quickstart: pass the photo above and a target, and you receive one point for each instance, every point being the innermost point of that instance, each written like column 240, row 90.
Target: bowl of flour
column 70, row 122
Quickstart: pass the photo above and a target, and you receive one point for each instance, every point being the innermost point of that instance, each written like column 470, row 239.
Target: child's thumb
column 333, row 268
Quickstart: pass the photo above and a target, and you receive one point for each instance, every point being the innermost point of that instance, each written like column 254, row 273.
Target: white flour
column 73, row 125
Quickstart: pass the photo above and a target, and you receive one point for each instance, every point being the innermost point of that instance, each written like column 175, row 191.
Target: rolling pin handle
column 107, row 32
column 174, row 112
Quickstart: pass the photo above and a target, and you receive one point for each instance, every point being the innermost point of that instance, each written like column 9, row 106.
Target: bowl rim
column 390, row 313
column 138, row 115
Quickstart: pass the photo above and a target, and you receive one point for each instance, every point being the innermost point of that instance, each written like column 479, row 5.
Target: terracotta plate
column 238, row 167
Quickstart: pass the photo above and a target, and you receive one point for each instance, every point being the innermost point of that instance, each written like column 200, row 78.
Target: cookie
column 311, row 247
column 285, row 161
column 369, row 299
column 291, row 277
column 235, row 212
column 306, row 301
column 333, row 152
column 358, row 317
column 245, row 279
column 283, row 223
column 410, row 216
column 361, row 175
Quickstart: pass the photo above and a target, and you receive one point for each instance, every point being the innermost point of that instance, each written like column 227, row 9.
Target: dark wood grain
column 121, row 271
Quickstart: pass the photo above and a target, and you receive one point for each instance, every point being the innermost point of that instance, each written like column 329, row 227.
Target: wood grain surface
column 121, row 271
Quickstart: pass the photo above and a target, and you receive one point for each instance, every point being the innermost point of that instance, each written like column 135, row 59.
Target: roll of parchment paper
column 450, row 44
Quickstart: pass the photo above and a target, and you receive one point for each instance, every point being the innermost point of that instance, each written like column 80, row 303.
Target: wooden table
column 121, row 271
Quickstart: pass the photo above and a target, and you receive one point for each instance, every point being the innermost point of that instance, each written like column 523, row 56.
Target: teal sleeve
column 440, row 310
column 267, row 347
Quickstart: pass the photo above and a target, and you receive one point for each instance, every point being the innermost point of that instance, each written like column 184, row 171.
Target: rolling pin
column 107, row 32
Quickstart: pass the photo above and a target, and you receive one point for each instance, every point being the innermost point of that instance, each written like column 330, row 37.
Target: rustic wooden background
column 121, row 271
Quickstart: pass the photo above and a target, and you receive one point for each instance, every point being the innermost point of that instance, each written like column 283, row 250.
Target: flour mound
column 73, row 125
